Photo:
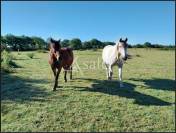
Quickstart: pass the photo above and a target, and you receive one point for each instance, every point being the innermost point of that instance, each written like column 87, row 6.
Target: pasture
column 89, row 102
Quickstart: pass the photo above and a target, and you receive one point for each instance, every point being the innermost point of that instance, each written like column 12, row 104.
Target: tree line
column 24, row 43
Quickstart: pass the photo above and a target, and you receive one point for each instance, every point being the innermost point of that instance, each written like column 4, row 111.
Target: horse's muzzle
column 125, row 58
column 57, row 62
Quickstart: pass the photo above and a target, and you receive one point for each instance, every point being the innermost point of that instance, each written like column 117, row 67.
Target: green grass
column 30, row 55
column 89, row 102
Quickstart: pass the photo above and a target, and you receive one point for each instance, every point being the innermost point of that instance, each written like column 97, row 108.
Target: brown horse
column 58, row 58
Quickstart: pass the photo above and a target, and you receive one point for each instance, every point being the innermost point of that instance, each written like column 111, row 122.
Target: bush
column 30, row 55
column 138, row 55
column 6, row 61
column 6, row 57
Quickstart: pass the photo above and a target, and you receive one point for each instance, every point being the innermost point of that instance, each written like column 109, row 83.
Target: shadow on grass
column 112, row 88
column 160, row 84
column 14, row 65
column 18, row 89
column 21, row 59
column 35, row 58
column 26, row 58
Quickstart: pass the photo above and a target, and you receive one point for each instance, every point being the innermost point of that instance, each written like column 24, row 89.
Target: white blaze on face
column 57, row 55
column 121, row 50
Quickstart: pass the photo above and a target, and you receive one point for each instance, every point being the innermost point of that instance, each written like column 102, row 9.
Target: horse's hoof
column 54, row 89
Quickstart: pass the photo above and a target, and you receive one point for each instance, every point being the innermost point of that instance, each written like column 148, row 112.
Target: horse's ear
column 126, row 39
column 51, row 40
column 59, row 40
column 120, row 40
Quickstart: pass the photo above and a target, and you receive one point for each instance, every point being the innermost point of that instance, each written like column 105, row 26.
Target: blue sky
column 106, row 21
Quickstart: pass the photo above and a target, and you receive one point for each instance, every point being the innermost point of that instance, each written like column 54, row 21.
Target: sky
column 106, row 21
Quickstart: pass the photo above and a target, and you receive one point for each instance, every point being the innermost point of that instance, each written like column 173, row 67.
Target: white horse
column 115, row 55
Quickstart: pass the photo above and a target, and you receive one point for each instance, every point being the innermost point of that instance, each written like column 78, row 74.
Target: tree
column 87, row 45
column 65, row 43
column 10, row 39
column 138, row 46
column 27, row 43
column 96, row 43
column 130, row 46
column 39, row 43
column 108, row 43
column 75, row 43
column 18, row 42
column 147, row 45
column 3, row 43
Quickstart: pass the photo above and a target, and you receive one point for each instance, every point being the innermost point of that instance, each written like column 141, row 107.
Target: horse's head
column 122, row 49
column 55, row 47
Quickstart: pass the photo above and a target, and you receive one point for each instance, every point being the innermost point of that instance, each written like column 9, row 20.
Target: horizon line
column 46, row 38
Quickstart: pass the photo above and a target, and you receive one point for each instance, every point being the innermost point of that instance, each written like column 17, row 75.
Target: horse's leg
column 65, row 76
column 110, row 72
column 107, row 71
column 120, row 76
column 56, row 78
column 70, row 72
column 54, row 70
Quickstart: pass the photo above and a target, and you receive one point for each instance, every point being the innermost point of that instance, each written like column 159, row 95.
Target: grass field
column 89, row 102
